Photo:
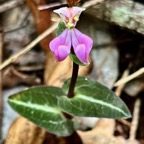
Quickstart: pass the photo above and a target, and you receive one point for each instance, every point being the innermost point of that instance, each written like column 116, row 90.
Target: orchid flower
column 71, row 39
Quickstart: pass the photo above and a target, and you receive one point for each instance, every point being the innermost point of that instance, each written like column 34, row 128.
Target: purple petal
column 80, row 51
column 62, row 52
column 82, row 45
column 61, row 45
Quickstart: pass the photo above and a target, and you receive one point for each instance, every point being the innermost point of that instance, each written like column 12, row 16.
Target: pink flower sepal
column 69, row 16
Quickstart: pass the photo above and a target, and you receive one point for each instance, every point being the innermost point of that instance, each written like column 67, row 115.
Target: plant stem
column 73, row 80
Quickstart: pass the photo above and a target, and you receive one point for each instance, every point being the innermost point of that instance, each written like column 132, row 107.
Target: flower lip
column 82, row 45
column 61, row 45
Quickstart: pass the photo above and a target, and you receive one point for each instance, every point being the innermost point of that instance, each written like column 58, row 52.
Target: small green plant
column 79, row 96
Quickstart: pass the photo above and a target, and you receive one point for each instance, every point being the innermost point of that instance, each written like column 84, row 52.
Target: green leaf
column 39, row 105
column 81, row 81
column 76, row 60
column 93, row 100
column 61, row 28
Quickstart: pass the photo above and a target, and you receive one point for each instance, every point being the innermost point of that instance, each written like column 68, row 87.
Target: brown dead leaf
column 132, row 142
column 24, row 132
column 42, row 20
column 57, row 72
column 11, row 77
column 101, row 134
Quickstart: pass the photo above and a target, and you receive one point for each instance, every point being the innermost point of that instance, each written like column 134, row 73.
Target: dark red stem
column 73, row 80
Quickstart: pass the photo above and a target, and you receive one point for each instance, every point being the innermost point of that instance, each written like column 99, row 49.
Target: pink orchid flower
column 70, row 38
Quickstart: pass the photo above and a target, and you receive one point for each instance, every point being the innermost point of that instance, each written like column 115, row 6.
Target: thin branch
column 118, row 92
column 119, row 89
column 10, row 4
column 125, row 122
column 91, row 3
column 130, row 77
column 1, row 101
column 52, row 5
column 135, row 120
column 28, row 47
column 85, row 5
column 31, row 68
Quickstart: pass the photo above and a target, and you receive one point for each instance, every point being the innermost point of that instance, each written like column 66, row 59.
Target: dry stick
column 11, row 4
column 91, row 3
column 130, row 77
column 52, row 5
column 1, row 106
column 134, row 123
column 85, row 5
column 118, row 92
column 31, row 68
column 120, row 87
column 28, row 47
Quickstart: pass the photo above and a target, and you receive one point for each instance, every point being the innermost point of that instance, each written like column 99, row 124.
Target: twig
column 130, row 77
column 44, row 7
column 85, row 5
column 118, row 92
column 26, row 78
column 125, row 122
column 28, row 47
column 31, row 68
column 134, row 123
column 11, row 4
column 91, row 3
column 120, row 87
column 1, row 105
